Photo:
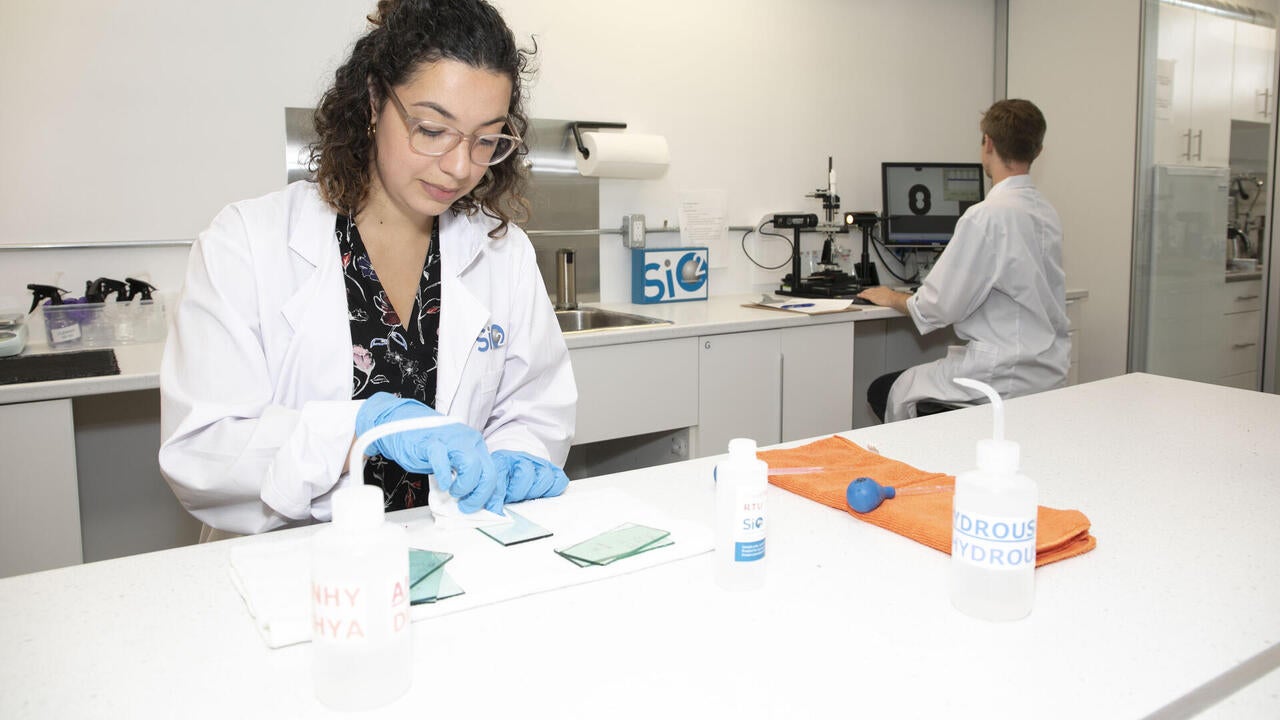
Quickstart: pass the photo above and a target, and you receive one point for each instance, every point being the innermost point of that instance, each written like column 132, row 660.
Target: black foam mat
column 58, row 366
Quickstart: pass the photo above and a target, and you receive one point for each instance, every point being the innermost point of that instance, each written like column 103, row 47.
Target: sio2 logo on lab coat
column 492, row 336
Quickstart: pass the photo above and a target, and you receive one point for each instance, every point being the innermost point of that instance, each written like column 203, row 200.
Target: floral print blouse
column 388, row 355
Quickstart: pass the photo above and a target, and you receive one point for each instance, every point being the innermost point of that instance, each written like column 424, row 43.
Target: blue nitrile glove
column 454, row 453
column 528, row 476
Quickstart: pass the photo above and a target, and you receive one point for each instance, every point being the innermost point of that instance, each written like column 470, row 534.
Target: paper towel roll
column 623, row 155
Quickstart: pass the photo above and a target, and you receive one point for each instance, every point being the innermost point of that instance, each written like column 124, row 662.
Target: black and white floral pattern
column 388, row 356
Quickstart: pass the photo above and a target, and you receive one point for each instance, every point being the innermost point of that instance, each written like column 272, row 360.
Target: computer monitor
column 923, row 201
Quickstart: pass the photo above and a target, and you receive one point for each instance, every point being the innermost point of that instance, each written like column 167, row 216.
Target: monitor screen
column 923, row 201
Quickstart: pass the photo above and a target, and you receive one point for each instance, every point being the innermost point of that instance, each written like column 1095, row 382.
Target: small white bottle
column 993, row 530
column 362, row 643
column 742, row 483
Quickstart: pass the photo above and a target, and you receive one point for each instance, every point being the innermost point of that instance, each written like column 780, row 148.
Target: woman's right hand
column 454, row 453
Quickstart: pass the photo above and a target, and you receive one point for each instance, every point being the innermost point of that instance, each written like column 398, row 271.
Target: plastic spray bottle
column 993, row 531
column 362, row 643
column 742, row 482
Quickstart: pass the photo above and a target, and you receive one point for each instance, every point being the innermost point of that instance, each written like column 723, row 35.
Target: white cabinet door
column 1175, row 60
column 1252, row 96
column 1195, row 58
column 635, row 388
column 817, row 380
column 739, row 390
column 39, row 490
column 1211, row 90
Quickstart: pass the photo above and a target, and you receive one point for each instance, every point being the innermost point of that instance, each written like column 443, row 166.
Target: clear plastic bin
column 87, row 325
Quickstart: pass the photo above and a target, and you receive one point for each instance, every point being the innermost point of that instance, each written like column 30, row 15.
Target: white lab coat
column 1000, row 283
column 256, row 409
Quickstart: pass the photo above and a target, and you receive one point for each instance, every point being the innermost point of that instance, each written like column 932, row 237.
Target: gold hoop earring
column 372, row 130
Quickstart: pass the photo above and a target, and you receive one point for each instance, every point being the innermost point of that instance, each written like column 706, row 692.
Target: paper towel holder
column 577, row 137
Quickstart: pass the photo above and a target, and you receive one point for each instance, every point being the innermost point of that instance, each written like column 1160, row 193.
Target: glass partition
column 1202, row 236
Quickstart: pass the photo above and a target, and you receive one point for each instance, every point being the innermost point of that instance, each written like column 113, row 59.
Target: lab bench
column 647, row 396
column 1173, row 611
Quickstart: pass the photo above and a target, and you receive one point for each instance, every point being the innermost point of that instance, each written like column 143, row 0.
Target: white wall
column 754, row 95
column 126, row 120
column 1079, row 63
column 138, row 119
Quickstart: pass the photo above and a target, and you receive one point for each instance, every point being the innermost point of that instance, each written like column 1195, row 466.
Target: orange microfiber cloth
column 924, row 518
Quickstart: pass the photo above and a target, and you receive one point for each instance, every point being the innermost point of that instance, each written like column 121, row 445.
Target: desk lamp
column 865, row 271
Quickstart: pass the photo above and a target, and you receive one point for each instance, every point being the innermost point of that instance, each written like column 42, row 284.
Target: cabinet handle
column 1240, row 298
column 1187, row 154
column 1241, row 346
column 1265, row 96
column 1199, row 145
column 782, row 394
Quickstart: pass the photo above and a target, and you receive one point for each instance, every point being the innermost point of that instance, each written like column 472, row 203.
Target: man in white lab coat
column 1000, row 283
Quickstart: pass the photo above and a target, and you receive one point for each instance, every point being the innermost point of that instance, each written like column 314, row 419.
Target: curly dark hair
column 403, row 35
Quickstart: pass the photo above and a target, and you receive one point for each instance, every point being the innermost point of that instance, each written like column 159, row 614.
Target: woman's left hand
column 528, row 476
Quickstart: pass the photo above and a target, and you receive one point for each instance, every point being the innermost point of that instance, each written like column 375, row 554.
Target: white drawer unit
column 635, row 388
column 1241, row 352
column 1242, row 296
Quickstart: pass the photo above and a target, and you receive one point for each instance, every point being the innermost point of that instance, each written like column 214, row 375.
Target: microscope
column 830, row 281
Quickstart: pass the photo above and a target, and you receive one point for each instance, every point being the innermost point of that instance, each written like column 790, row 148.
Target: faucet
column 566, row 280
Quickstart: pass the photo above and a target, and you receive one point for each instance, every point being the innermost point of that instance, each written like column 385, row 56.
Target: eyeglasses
column 434, row 139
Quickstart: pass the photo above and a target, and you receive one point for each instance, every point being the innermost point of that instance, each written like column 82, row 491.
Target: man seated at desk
column 999, row 282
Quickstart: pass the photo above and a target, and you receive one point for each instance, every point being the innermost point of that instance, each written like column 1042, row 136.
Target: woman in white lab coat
column 1000, row 284
column 395, row 286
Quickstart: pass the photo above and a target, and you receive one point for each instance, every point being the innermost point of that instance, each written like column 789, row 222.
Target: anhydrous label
column 992, row 542
column 344, row 612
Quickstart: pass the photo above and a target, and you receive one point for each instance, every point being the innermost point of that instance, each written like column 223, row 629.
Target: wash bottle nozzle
column 994, row 454
column 138, row 287
column 96, row 291
column 44, row 292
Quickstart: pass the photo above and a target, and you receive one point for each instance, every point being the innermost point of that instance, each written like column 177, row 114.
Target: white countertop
column 139, row 370
column 140, row 364
column 1181, row 481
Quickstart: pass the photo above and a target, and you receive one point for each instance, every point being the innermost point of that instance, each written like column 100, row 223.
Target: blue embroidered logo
column 492, row 336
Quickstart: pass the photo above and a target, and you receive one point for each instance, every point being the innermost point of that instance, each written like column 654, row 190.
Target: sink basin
column 589, row 319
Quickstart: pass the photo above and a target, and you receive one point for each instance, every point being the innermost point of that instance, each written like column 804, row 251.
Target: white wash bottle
column 993, row 528
column 362, row 643
column 742, row 483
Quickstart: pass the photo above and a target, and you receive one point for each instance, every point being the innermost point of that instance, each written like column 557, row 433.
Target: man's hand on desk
column 882, row 295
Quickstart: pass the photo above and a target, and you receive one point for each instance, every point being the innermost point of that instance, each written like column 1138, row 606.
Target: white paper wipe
column 448, row 515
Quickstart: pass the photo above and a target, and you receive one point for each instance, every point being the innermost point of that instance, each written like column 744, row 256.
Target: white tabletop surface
column 1181, row 596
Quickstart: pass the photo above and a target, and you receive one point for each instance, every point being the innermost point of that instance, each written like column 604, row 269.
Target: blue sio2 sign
column 668, row 275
